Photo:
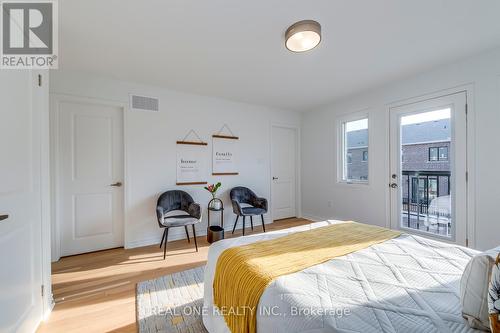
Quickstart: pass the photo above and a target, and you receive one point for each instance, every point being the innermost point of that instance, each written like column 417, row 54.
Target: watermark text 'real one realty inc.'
column 29, row 33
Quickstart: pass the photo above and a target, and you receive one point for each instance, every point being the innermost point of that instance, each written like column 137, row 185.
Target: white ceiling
column 235, row 49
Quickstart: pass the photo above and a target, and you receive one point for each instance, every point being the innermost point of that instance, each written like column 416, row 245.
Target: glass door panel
column 428, row 157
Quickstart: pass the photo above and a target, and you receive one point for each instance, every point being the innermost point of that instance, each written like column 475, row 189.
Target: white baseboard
column 313, row 218
column 200, row 231
column 316, row 218
column 143, row 242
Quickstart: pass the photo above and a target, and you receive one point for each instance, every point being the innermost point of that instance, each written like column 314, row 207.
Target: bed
column 406, row 284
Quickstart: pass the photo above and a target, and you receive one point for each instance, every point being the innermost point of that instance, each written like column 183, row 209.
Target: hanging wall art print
column 224, row 155
column 191, row 163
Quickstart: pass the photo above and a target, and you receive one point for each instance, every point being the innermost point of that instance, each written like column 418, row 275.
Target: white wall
column 150, row 149
column 370, row 203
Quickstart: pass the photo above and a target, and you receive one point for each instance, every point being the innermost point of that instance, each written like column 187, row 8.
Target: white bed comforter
column 407, row 284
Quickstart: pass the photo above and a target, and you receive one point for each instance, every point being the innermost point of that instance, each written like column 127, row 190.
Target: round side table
column 215, row 232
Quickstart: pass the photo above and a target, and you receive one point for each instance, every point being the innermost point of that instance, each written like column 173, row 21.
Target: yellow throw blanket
column 244, row 272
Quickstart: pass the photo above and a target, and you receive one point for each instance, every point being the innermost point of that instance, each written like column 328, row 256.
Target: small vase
column 216, row 204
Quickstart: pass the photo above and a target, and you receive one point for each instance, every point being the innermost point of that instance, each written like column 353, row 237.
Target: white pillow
column 494, row 291
column 474, row 289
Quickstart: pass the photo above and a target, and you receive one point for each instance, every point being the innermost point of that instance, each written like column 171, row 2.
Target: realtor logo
column 29, row 34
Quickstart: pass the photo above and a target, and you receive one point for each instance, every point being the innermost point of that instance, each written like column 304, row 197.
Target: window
column 365, row 155
column 418, row 189
column 424, row 189
column 443, row 153
column 433, row 189
column 354, row 151
column 438, row 154
column 433, row 154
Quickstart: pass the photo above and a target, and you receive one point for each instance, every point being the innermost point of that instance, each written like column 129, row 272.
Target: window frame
column 447, row 153
column 438, row 156
column 342, row 151
column 429, row 154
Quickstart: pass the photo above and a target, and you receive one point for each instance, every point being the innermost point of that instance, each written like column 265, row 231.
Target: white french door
column 283, row 172
column 90, row 176
column 428, row 154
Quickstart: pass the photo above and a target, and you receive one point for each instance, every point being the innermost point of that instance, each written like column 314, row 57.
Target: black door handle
column 4, row 217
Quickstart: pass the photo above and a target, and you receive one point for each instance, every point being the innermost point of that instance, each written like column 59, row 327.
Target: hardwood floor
column 95, row 292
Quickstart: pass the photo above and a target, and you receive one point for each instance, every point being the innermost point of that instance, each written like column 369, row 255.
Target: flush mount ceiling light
column 303, row 36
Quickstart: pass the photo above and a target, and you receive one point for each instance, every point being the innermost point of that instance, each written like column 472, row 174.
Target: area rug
column 172, row 303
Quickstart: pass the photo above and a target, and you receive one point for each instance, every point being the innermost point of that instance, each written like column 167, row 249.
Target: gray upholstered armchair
column 177, row 209
column 246, row 203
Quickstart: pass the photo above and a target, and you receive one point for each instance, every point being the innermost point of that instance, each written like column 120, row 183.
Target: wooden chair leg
column 244, row 225
column 162, row 238
column 187, row 233
column 251, row 222
column 235, row 222
column 263, row 226
column 194, row 236
column 165, row 248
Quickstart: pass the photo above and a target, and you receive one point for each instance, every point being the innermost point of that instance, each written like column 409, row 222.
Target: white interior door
column 20, row 202
column 90, row 177
column 428, row 168
column 283, row 172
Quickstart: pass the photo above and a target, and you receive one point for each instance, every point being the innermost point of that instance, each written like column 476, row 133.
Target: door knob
column 393, row 185
column 274, row 178
column 117, row 184
column 4, row 217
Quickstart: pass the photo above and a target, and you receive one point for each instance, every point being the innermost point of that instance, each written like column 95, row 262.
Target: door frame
column 42, row 78
column 55, row 101
column 468, row 89
column 298, row 197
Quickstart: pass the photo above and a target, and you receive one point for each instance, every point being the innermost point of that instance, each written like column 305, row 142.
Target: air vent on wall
column 144, row 103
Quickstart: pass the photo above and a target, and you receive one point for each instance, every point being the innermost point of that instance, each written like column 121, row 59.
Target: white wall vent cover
column 144, row 103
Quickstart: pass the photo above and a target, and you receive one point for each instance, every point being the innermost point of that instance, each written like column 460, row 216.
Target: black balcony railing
column 419, row 189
